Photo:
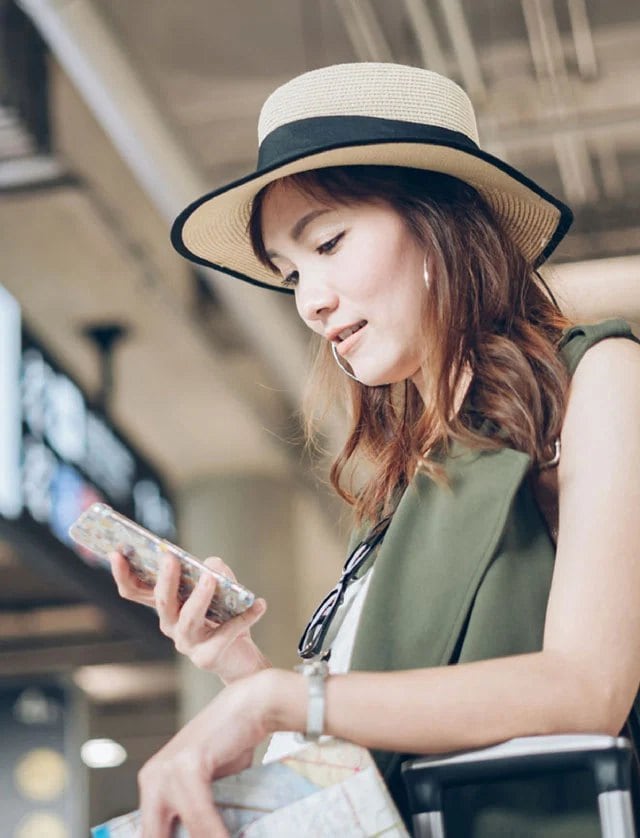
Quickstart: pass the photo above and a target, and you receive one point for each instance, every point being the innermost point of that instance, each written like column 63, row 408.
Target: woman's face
column 358, row 277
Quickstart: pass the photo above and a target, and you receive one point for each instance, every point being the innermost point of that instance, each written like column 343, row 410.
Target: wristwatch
column 316, row 673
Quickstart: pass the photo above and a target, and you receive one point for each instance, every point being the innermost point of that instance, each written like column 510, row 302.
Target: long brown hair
column 485, row 314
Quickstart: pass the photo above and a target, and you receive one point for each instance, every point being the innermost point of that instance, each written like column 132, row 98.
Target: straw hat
column 372, row 114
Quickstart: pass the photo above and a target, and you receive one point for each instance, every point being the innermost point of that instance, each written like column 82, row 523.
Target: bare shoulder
column 607, row 355
column 604, row 396
column 593, row 616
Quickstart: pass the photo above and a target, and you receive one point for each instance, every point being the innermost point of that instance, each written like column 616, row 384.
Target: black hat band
column 320, row 133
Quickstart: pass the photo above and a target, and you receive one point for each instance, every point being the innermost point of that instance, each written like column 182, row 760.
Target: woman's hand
column 176, row 782
column 226, row 649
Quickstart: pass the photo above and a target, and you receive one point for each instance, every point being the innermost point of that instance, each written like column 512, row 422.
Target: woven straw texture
column 215, row 230
column 386, row 91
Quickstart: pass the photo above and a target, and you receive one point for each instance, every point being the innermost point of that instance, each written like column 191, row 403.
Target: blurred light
column 109, row 683
column 102, row 753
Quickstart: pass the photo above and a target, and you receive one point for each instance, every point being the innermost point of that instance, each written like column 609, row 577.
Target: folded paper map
column 324, row 790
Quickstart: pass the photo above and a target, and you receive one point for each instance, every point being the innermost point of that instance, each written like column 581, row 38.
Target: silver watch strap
column 316, row 674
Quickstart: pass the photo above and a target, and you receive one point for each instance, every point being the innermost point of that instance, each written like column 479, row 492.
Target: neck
column 419, row 379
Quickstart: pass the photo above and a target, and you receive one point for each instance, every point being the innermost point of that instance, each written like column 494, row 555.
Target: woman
column 411, row 253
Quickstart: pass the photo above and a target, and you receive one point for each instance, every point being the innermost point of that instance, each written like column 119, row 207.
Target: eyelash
column 323, row 249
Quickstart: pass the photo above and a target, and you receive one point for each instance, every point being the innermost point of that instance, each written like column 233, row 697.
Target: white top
column 340, row 639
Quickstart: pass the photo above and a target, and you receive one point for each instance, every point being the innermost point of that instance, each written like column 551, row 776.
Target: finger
column 128, row 584
column 166, row 593
column 192, row 618
column 219, row 566
column 209, row 650
column 200, row 818
column 243, row 622
column 155, row 819
column 187, row 796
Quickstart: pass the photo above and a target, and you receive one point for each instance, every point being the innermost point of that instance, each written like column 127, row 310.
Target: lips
column 338, row 336
column 347, row 338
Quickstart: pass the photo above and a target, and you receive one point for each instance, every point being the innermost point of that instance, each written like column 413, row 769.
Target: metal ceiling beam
column 51, row 621
column 583, row 39
column 464, row 49
column 426, row 36
column 602, row 124
column 59, row 657
column 610, row 168
column 547, row 52
column 364, row 30
column 99, row 67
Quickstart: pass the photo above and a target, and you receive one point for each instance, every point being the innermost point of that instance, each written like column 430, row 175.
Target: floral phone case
column 102, row 530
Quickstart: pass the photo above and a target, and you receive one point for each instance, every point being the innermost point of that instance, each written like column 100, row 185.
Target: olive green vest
column 464, row 575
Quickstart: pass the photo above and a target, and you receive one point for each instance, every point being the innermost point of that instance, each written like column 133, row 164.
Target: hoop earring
column 338, row 361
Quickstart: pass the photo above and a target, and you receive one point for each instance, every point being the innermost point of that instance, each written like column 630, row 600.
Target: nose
column 315, row 300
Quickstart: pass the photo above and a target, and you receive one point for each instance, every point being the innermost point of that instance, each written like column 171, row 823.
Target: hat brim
column 213, row 230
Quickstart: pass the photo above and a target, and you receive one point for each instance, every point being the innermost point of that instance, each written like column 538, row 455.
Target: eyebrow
column 299, row 227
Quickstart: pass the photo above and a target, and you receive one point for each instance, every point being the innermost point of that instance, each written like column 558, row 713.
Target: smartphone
column 102, row 530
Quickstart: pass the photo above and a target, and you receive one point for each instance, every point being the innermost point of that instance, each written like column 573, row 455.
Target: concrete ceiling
column 210, row 377
column 552, row 82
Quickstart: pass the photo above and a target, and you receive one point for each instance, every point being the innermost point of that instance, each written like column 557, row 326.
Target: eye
column 290, row 280
column 328, row 246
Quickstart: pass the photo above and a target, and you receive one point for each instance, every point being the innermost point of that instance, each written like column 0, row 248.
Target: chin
column 378, row 379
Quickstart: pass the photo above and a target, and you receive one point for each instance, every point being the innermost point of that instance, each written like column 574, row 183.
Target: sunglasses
column 314, row 635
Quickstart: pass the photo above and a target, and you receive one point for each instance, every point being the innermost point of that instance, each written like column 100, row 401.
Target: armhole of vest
column 577, row 339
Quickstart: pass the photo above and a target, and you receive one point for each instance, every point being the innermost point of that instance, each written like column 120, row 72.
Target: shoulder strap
column 576, row 340
column 572, row 346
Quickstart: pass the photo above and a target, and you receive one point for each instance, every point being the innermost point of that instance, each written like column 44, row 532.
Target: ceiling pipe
column 583, row 39
column 428, row 42
column 364, row 30
column 97, row 64
column 572, row 154
column 610, row 168
column 596, row 125
column 464, row 49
